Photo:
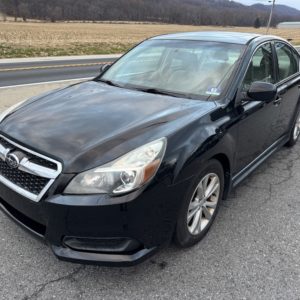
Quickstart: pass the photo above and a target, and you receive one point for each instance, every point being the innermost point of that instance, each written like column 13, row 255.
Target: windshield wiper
column 109, row 82
column 162, row 92
column 147, row 90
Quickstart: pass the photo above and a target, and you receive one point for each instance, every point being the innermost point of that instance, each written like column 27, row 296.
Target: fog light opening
column 103, row 245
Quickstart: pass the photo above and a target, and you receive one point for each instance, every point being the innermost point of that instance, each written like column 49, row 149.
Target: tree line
column 195, row 12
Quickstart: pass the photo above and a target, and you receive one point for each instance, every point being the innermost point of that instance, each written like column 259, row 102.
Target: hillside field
column 31, row 39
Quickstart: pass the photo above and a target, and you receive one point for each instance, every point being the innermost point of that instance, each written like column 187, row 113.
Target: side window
column 261, row 67
column 288, row 62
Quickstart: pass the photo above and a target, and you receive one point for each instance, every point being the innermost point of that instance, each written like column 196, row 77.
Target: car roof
column 211, row 36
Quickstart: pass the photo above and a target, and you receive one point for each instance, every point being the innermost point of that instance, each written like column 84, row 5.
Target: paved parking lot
column 251, row 252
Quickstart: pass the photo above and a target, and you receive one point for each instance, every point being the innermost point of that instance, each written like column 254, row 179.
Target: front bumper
column 146, row 221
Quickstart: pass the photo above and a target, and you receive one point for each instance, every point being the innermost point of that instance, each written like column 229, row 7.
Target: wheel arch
column 225, row 162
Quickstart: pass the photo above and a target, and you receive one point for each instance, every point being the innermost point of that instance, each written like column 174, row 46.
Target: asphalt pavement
column 251, row 252
column 28, row 72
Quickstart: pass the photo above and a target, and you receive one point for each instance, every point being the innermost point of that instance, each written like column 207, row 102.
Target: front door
column 258, row 118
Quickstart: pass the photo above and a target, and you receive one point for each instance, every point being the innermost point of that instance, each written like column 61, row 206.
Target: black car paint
column 236, row 132
column 97, row 139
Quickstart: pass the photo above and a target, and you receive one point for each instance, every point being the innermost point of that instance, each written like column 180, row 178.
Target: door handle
column 277, row 101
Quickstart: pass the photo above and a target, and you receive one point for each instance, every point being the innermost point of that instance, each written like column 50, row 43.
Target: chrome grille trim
column 3, row 152
column 32, row 168
column 27, row 166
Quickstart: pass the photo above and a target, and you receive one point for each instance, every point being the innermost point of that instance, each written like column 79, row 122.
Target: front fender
column 202, row 141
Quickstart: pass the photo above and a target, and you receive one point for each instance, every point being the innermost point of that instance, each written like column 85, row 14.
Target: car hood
column 80, row 123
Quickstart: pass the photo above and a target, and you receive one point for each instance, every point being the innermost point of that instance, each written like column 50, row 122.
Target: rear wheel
column 295, row 133
column 200, row 205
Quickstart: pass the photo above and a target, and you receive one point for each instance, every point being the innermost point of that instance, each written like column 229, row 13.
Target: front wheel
column 295, row 133
column 200, row 205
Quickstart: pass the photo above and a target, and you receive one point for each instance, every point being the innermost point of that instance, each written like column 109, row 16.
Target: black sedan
column 109, row 170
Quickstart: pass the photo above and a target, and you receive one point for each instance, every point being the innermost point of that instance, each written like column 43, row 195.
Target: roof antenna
column 271, row 15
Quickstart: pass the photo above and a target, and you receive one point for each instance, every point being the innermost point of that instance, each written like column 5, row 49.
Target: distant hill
column 279, row 10
column 196, row 12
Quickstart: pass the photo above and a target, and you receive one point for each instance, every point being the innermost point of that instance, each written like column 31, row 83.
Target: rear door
column 288, row 80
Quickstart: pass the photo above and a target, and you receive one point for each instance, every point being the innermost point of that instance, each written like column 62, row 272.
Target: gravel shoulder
column 12, row 95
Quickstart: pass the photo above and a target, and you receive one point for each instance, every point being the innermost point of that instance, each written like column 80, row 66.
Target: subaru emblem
column 12, row 160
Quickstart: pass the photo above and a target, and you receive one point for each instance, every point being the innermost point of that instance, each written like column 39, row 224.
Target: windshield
column 192, row 69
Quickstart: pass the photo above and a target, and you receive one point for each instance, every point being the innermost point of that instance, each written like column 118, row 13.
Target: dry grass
column 47, row 39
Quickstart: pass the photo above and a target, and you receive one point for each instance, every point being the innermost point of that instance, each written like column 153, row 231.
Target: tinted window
column 261, row 67
column 287, row 61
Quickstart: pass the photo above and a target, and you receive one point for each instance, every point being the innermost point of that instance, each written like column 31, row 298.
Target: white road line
column 45, row 82
column 53, row 67
column 57, row 58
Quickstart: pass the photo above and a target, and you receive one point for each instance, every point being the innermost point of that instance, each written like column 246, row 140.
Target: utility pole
column 270, row 18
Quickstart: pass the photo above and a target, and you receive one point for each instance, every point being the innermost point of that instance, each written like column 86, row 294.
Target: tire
column 295, row 132
column 188, row 231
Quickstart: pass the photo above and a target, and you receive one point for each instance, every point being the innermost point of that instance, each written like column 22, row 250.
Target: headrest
column 186, row 57
column 220, row 55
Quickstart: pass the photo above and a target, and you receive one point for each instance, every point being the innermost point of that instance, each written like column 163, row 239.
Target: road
column 251, row 252
column 17, row 73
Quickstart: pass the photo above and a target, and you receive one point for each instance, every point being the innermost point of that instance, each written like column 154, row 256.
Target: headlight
column 122, row 175
column 10, row 110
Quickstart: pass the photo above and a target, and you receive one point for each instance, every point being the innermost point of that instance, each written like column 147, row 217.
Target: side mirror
column 104, row 68
column 262, row 91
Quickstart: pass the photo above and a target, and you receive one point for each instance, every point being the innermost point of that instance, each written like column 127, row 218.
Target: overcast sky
column 292, row 3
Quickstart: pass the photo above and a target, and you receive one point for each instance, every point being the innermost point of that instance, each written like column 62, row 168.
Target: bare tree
column 24, row 11
column 196, row 12
column 16, row 9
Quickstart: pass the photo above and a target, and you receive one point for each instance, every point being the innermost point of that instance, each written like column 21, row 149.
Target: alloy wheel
column 296, row 131
column 204, row 202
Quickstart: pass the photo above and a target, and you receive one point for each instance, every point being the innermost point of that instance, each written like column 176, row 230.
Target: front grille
column 44, row 163
column 5, row 143
column 29, row 182
column 34, row 173
column 34, row 158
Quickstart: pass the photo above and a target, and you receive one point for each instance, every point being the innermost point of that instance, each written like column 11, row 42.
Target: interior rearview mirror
column 104, row 68
column 262, row 91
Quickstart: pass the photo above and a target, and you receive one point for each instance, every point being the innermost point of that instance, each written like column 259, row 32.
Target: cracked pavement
column 251, row 252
